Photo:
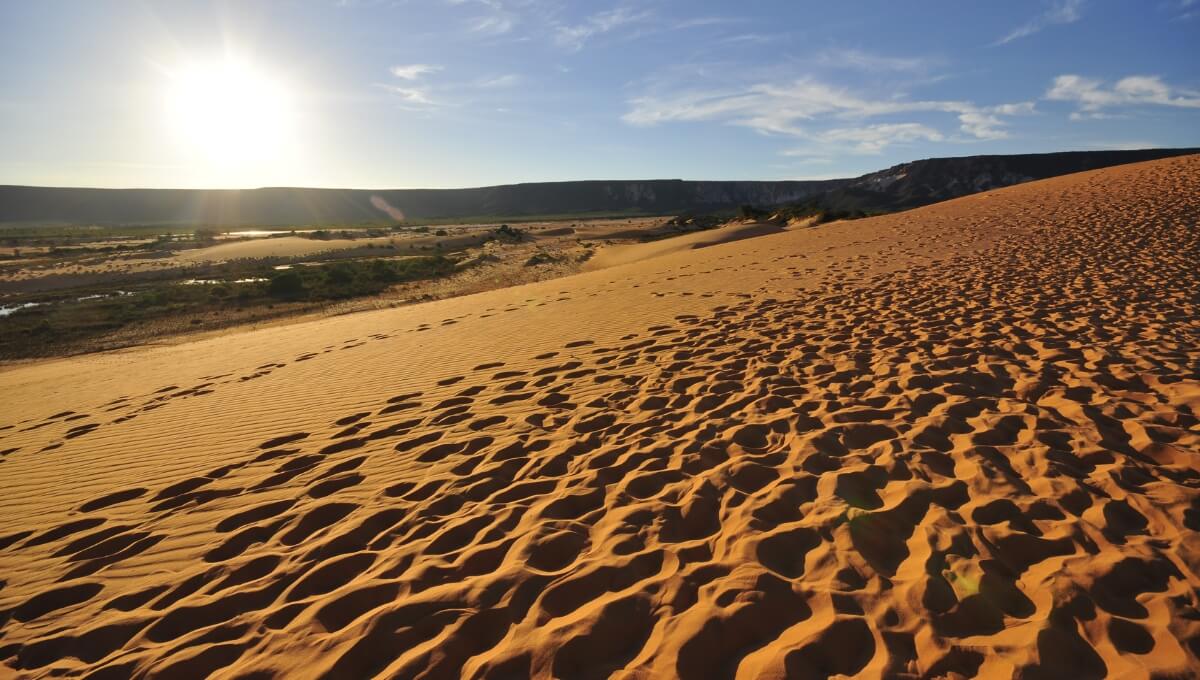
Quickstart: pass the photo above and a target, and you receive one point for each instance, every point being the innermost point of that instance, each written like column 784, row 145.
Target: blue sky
column 447, row 93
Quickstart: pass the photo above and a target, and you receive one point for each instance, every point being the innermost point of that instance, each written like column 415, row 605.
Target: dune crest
column 957, row 440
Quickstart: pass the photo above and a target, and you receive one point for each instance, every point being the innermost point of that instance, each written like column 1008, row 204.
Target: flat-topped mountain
column 299, row 206
column 903, row 186
column 930, row 180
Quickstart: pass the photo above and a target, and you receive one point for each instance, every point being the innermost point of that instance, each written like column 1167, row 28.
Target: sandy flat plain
column 959, row 441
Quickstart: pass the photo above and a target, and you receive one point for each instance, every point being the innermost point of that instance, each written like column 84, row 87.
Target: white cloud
column 1187, row 9
column 413, row 71
column 496, row 19
column 700, row 22
column 493, row 24
column 1093, row 95
column 574, row 37
column 748, row 38
column 416, row 92
column 418, row 97
column 412, row 95
column 874, row 63
column 803, row 108
column 986, row 123
column 506, row 80
column 1094, row 115
column 1018, row 109
column 982, row 125
column 872, row 139
column 1060, row 12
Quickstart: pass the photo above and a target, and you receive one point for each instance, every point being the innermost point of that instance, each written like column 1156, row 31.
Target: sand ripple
column 982, row 466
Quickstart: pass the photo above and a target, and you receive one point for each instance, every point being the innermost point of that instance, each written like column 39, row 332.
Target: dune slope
column 961, row 439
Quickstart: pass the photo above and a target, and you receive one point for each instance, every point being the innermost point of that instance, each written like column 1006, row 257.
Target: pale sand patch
column 283, row 246
column 614, row 256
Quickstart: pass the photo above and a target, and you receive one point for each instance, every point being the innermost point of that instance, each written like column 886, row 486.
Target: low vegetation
column 818, row 213
column 339, row 280
column 66, row 289
column 539, row 258
column 683, row 224
column 346, row 234
column 54, row 325
column 507, row 233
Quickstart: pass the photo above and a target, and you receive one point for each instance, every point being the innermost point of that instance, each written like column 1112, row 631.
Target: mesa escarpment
column 905, row 186
column 306, row 206
column 959, row 439
column 922, row 182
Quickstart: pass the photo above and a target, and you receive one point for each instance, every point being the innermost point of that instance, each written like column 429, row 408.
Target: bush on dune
column 749, row 212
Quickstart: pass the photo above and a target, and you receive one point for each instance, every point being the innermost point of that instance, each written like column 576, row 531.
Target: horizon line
column 578, row 181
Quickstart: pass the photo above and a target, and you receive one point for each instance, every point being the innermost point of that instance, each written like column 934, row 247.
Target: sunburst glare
column 230, row 112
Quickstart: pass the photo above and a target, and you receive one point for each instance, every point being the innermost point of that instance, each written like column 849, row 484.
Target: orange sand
column 957, row 440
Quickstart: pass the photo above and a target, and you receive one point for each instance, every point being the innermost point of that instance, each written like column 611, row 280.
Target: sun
column 229, row 112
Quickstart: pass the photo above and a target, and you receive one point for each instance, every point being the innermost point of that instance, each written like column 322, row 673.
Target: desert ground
column 69, row 291
column 958, row 441
column 39, row 272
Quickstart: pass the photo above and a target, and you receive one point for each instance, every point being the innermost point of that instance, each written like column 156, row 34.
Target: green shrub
column 381, row 270
column 339, row 274
column 287, row 285
column 749, row 212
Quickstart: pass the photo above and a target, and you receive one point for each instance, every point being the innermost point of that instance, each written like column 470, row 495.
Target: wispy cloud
column 749, row 38
column 418, row 92
column 506, row 80
column 811, row 110
column 1093, row 115
column 866, row 61
column 574, row 37
column 414, row 97
column 413, row 71
column 1060, row 12
column 496, row 18
column 1092, row 96
column 492, row 24
column 699, row 22
column 1187, row 9
column 413, row 94
column 872, row 139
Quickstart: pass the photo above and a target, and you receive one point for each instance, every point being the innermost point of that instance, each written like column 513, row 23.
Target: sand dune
column 284, row 246
column 956, row 441
column 614, row 256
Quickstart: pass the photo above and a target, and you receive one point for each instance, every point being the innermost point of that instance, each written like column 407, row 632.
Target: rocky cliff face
column 759, row 193
column 917, row 183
